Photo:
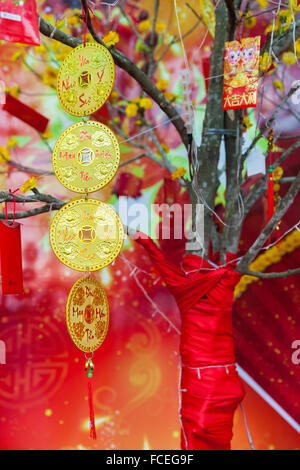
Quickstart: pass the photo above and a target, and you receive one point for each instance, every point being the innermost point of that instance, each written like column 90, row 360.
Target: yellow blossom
column 162, row 84
column 114, row 96
column 265, row 62
column 111, row 39
column 72, row 20
column 246, row 123
column 294, row 4
column 179, row 173
column 40, row 49
column 160, row 27
column 170, row 96
column 14, row 91
column 297, row 44
column 12, row 142
column 28, row 185
column 288, row 58
column 136, row 100
column 278, row 84
column 48, row 17
column 165, row 148
column 144, row 26
column 4, row 155
column 49, row 77
column 146, row 103
column 262, row 3
column 250, row 21
column 16, row 55
column 47, row 135
column 131, row 110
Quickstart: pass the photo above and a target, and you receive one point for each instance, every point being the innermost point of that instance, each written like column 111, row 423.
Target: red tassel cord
column 90, row 366
column 270, row 180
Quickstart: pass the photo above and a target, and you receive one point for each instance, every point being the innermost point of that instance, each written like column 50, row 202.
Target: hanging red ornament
column 11, row 257
column 25, row 113
column 19, row 21
column 241, row 64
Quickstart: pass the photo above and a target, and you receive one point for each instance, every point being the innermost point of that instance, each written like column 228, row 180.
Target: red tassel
column 270, row 194
column 93, row 434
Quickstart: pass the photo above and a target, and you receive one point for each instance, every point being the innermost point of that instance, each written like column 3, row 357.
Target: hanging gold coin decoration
column 87, row 314
column 85, row 79
column 86, row 234
column 86, row 156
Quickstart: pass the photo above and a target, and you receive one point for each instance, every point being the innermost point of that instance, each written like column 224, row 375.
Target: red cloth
column 210, row 393
column 11, row 258
column 25, row 113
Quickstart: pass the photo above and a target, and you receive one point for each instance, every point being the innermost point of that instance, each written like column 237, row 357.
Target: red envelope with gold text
column 241, row 68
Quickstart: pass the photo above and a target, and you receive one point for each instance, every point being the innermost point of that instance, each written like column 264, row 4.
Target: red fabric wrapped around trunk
column 211, row 388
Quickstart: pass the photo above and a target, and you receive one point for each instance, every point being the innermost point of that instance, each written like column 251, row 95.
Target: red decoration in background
column 128, row 185
column 11, row 257
column 19, row 22
column 211, row 387
column 25, row 113
column 241, row 62
column 205, row 66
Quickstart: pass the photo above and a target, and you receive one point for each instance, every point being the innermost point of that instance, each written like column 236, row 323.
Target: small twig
column 289, row 272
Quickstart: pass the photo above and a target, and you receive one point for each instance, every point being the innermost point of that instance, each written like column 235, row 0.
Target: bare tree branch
column 274, row 275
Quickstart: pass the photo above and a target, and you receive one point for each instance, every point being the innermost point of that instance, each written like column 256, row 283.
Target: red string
column 93, row 434
column 84, row 24
column 14, row 209
column 240, row 26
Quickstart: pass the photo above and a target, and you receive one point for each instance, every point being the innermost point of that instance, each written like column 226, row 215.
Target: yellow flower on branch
column 12, row 142
column 165, row 148
column 162, row 85
column 14, row 91
column 288, row 58
column 144, row 26
column 4, row 155
column 246, row 123
column 160, row 27
column 16, row 55
column 262, row 3
column 131, row 110
column 40, row 49
column 179, row 173
column 49, row 77
column 47, row 135
column 265, row 62
column 28, row 185
column 111, row 39
column 278, row 84
column 114, row 97
column 294, row 4
column 170, row 96
column 145, row 103
column 250, row 21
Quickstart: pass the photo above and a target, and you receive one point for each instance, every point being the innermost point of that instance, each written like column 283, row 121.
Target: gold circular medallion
column 87, row 314
column 86, row 156
column 85, row 79
column 86, row 235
